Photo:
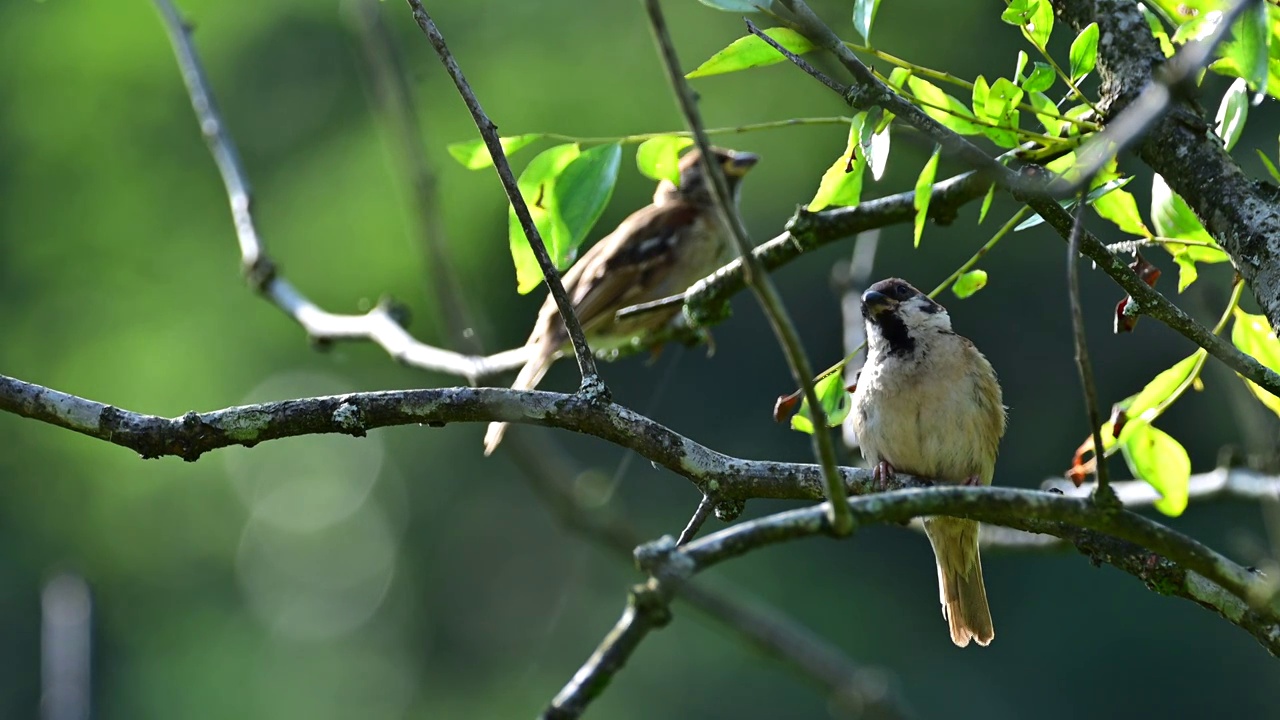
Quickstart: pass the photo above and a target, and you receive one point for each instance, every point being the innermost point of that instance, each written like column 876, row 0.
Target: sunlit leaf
column 864, row 14
column 842, row 182
column 1120, row 207
column 659, row 158
column 1084, row 52
column 581, row 193
column 924, row 191
column 1271, row 167
column 833, row 398
column 1019, row 12
column 898, row 77
column 1187, row 272
column 1040, row 26
column 474, row 155
column 536, row 186
column 1046, row 112
column 1171, row 215
column 955, row 115
column 750, row 51
column 1248, row 49
column 1153, row 455
column 1253, row 335
column 986, row 203
column 1089, row 199
column 969, row 283
column 1158, row 31
column 1146, row 405
column 1232, row 112
column 981, row 89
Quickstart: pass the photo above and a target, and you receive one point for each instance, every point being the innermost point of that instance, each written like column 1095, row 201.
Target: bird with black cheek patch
column 927, row 403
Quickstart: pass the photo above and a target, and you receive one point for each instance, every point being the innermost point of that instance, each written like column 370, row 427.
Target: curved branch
column 1167, row 561
column 380, row 325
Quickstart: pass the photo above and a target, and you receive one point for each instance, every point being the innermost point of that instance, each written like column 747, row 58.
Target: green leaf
column 739, row 5
column 1039, row 27
column 842, row 182
column 986, row 203
column 474, row 155
column 1041, row 78
column 833, row 398
column 1004, row 96
column 1084, row 52
column 581, row 194
column 1146, row 406
column 969, row 283
column 981, row 90
column 924, row 191
column 1171, row 215
column 1018, row 67
column 1153, row 455
column 1158, row 31
column 1253, row 335
column 956, row 116
column 1187, row 272
column 1232, row 112
column 536, row 185
column 1089, row 199
column 1019, row 12
column 1046, row 112
column 873, row 140
column 750, row 51
column 1120, row 207
column 659, row 158
column 1248, row 50
column 864, row 14
column 1271, row 167
column 899, row 76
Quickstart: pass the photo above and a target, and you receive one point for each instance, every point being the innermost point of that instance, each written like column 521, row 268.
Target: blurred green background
column 405, row 576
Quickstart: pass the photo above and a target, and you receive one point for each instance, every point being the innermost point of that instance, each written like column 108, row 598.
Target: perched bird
column 660, row 250
column 927, row 403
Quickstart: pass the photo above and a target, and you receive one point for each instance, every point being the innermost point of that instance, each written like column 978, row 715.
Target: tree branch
column 1104, row 494
column 1167, row 561
column 382, row 325
column 592, row 385
column 754, row 275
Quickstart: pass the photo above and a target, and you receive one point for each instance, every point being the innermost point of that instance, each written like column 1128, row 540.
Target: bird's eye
column 902, row 291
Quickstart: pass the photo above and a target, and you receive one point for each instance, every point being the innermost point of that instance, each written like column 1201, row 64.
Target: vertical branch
column 394, row 97
column 700, row 514
column 592, row 385
column 1103, row 494
column 756, row 278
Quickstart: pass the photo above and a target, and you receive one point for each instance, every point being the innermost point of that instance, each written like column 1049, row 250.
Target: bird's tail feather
column 528, row 378
column 960, row 586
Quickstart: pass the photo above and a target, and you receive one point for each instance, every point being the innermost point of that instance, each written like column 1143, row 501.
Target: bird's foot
column 972, row 481
column 881, row 474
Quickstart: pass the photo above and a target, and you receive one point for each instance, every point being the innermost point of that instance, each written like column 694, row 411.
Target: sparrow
column 928, row 403
column 658, row 251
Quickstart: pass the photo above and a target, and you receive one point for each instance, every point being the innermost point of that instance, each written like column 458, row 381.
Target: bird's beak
column 876, row 303
column 741, row 163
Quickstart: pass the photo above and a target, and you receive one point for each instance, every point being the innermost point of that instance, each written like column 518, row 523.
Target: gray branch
column 1241, row 213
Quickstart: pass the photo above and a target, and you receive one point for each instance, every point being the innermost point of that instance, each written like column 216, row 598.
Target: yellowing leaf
column 1153, row 455
column 969, row 283
column 924, row 191
column 842, row 182
column 1253, row 335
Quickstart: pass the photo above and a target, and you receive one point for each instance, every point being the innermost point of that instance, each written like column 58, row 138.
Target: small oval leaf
column 1084, row 52
column 1232, row 113
column 1153, row 455
column 474, row 154
column 659, row 158
column 842, row 182
column 969, row 283
column 924, row 191
column 581, row 194
column 536, row 185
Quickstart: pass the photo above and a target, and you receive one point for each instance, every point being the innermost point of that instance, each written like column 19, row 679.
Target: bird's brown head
column 695, row 187
column 897, row 315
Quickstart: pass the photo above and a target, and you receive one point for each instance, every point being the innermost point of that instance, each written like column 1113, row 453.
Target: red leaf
column 1149, row 274
column 785, row 406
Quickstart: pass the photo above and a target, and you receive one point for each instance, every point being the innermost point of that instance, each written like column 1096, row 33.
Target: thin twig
column 592, row 385
column 754, row 275
column 700, row 515
column 646, row 611
column 1104, row 494
column 798, row 61
column 381, row 325
column 393, row 95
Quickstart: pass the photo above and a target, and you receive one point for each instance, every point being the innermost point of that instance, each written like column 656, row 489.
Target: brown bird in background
column 927, row 403
column 660, row 250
